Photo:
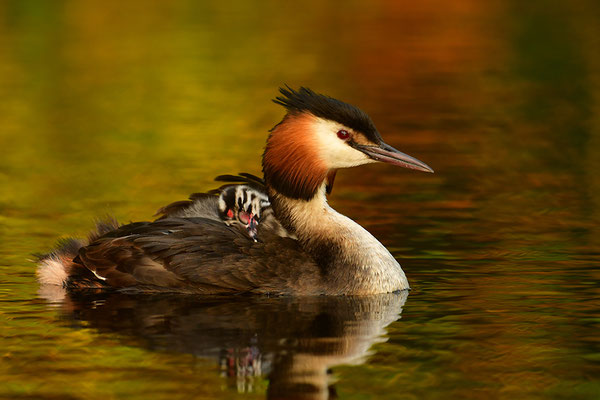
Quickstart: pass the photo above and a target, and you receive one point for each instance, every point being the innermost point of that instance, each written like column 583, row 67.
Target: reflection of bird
column 293, row 342
column 212, row 244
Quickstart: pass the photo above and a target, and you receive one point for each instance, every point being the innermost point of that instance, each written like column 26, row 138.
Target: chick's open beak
column 387, row 154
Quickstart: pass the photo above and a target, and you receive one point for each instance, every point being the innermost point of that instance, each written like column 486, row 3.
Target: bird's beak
column 387, row 154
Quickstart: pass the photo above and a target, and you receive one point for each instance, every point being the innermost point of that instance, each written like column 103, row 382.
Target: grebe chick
column 242, row 204
column 242, row 201
column 272, row 236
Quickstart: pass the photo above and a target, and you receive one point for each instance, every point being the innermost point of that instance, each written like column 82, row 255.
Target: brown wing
column 198, row 255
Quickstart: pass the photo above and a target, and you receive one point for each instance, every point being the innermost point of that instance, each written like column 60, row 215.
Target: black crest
column 305, row 100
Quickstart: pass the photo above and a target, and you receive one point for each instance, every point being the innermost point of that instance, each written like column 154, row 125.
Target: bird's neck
column 350, row 258
column 291, row 161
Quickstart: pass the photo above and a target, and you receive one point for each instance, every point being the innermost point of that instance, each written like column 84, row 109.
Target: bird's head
column 319, row 135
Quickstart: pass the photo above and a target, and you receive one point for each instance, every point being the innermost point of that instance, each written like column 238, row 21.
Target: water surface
column 120, row 108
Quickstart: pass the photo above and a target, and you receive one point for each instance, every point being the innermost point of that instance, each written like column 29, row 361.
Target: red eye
column 343, row 134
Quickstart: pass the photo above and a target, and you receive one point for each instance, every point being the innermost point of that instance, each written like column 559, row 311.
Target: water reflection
column 292, row 342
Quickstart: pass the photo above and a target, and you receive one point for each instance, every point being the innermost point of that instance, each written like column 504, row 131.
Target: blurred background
column 119, row 108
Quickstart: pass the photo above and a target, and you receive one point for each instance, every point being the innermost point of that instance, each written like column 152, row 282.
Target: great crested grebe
column 272, row 236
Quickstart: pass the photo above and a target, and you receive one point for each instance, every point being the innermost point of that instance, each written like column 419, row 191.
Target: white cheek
column 334, row 151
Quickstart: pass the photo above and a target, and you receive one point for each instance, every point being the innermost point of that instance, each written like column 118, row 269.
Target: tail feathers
column 53, row 268
column 57, row 267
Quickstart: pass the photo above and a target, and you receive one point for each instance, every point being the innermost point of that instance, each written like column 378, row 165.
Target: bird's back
column 202, row 245
column 198, row 255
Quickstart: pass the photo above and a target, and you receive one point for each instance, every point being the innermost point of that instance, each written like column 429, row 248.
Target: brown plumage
column 165, row 255
column 289, row 160
column 276, row 236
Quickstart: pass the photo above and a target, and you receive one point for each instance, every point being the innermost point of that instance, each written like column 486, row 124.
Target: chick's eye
column 343, row 134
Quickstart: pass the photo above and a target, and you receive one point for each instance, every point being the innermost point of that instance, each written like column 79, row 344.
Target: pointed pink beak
column 387, row 154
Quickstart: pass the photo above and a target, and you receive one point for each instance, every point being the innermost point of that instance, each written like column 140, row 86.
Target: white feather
column 51, row 271
column 335, row 151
